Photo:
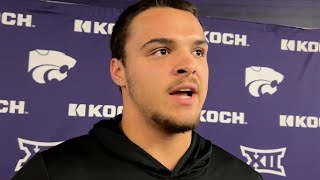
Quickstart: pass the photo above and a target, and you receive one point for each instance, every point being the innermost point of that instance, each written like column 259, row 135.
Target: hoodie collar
column 193, row 163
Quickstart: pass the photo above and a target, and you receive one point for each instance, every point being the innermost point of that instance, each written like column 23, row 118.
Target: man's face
column 166, row 68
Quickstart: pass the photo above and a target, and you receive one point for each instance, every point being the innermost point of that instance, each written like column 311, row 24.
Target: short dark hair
column 121, row 29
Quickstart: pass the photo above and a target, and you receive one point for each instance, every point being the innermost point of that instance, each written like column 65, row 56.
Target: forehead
column 165, row 22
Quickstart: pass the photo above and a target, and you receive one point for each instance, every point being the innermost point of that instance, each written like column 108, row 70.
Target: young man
column 160, row 63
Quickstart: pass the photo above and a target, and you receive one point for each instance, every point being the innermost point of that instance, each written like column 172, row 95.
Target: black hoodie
column 107, row 154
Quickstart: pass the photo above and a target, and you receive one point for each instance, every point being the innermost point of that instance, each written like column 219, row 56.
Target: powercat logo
column 47, row 65
column 93, row 27
column 92, row 110
column 16, row 19
column 265, row 160
column 223, row 117
column 12, row 107
column 31, row 148
column 262, row 80
column 299, row 45
column 226, row 38
column 299, row 121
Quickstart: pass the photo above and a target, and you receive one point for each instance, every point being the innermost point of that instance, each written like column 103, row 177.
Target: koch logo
column 12, row 107
column 91, row 110
column 31, row 148
column 265, row 160
column 300, row 46
column 299, row 121
column 93, row 27
column 223, row 117
column 13, row 19
column 47, row 65
column 226, row 38
column 262, row 80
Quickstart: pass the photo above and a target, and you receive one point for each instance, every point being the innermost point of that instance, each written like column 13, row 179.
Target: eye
column 161, row 52
column 198, row 52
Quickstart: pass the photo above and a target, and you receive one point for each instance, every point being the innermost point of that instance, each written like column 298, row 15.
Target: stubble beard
column 160, row 120
column 170, row 125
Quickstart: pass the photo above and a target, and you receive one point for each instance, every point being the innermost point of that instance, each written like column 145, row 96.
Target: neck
column 165, row 148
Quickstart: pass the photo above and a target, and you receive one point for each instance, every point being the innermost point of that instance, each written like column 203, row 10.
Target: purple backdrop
column 262, row 104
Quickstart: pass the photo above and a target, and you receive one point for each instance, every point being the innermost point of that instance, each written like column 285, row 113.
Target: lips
column 188, row 89
column 184, row 93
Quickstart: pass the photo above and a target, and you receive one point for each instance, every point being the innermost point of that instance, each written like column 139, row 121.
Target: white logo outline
column 21, row 143
column 256, row 152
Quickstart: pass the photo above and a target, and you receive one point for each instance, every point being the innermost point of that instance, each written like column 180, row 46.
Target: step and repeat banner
column 262, row 105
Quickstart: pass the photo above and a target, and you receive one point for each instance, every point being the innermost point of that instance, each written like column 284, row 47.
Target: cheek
column 154, row 79
column 143, row 78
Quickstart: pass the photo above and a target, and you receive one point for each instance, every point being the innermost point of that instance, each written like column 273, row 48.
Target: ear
column 117, row 72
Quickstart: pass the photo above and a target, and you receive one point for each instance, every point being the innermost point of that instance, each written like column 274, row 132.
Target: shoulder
column 229, row 165
column 77, row 158
column 47, row 163
column 81, row 147
column 72, row 144
column 34, row 169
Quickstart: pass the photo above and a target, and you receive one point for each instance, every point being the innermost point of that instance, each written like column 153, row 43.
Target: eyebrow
column 200, row 42
column 168, row 41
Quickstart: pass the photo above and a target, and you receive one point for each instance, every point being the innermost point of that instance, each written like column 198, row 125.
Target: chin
column 177, row 123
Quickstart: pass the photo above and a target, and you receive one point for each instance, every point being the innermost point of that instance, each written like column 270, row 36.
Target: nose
column 186, row 65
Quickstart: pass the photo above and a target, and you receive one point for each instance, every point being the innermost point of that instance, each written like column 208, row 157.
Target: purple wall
column 262, row 104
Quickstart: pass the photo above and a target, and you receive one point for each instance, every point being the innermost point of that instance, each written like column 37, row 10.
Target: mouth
column 183, row 92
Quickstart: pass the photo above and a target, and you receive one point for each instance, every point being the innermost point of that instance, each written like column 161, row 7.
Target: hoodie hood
column 193, row 163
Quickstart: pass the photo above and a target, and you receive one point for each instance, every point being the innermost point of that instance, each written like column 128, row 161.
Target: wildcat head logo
column 46, row 65
column 31, row 148
column 262, row 80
